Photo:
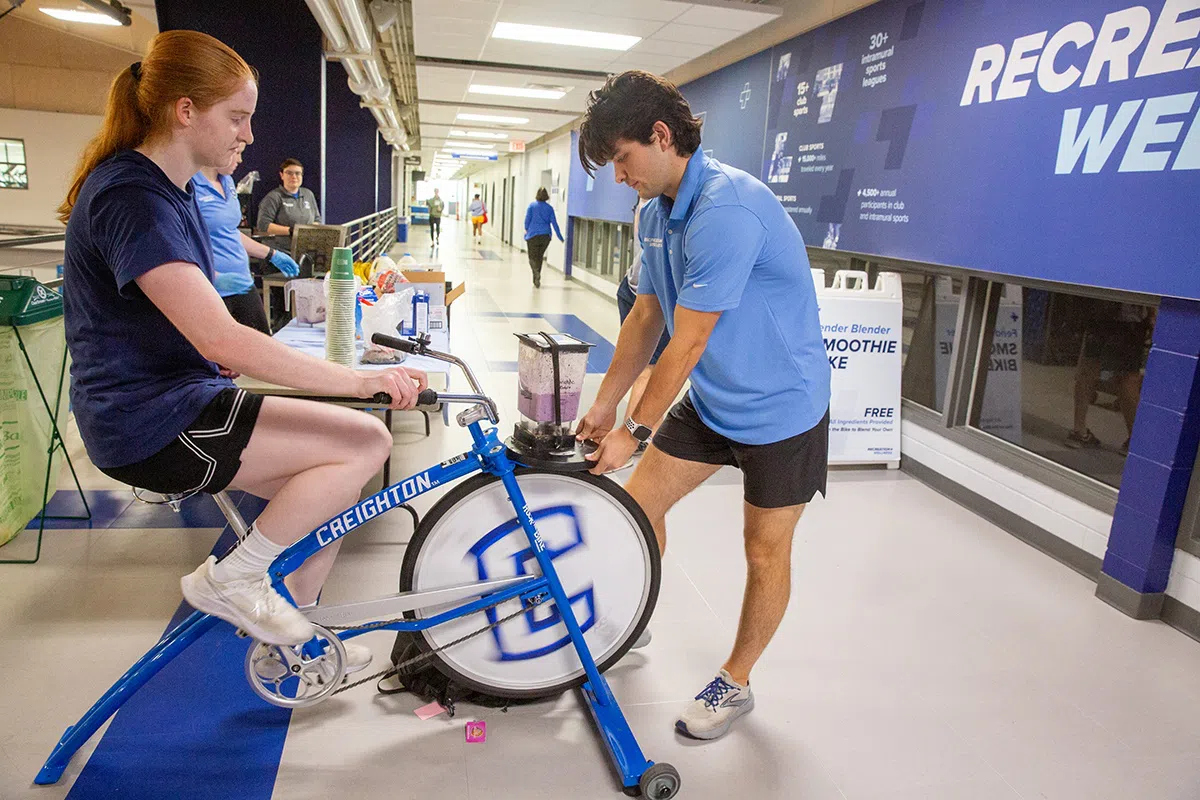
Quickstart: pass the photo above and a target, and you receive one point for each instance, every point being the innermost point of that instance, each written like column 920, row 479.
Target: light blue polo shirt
column 726, row 244
column 222, row 215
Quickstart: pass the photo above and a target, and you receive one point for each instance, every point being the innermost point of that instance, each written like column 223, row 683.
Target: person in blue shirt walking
column 217, row 198
column 539, row 219
column 724, row 269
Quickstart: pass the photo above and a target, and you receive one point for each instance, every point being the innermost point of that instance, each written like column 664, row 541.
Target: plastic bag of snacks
column 385, row 275
column 384, row 316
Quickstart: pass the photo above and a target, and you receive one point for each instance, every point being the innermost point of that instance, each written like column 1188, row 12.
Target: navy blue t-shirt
column 136, row 382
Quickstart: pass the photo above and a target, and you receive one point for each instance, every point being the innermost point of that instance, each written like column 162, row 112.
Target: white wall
column 1063, row 516
column 53, row 143
column 526, row 169
column 556, row 157
column 1051, row 510
column 1184, row 584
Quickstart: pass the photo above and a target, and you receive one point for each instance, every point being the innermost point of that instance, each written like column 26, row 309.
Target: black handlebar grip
column 394, row 343
column 426, row 398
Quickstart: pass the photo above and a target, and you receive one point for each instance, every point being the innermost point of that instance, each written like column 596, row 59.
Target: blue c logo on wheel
column 499, row 554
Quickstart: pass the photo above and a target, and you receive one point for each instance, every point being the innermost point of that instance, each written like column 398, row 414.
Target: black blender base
column 563, row 460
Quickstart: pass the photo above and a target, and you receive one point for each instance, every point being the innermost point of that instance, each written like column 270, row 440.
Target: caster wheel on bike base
column 660, row 782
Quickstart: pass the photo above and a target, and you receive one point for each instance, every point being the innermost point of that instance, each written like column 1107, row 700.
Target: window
column 1065, row 376
column 12, row 164
column 602, row 248
column 930, row 325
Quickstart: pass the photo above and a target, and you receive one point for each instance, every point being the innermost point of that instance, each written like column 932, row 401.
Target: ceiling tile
column 455, row 9
column 660, row 47
column 657, row 10
column 737, row 19
column 649, row 63
column 712, row 37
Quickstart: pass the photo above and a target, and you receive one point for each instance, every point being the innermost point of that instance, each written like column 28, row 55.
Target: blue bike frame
column 489, row 455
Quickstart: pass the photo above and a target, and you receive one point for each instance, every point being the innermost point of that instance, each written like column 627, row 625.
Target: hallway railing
column 372, row 235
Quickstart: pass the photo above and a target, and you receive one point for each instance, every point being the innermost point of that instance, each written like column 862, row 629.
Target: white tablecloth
column 311, row 339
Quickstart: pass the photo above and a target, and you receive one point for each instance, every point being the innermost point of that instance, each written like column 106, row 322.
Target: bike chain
column 531, row 603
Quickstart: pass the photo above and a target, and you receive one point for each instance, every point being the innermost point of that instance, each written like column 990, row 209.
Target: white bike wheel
column 604, row 552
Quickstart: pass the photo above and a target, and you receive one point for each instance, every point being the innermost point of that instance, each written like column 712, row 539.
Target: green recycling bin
column 33, row 398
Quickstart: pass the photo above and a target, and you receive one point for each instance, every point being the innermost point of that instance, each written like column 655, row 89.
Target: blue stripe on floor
column 196, row 730
column 106, row 507
column 117, row 508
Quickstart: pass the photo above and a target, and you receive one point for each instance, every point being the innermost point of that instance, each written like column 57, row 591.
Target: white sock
column 250, row 559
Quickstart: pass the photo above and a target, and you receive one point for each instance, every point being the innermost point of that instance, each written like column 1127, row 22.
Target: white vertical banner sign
column 861, row 327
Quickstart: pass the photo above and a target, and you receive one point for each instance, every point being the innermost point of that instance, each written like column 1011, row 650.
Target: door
column 512, row 208
column 504, row 211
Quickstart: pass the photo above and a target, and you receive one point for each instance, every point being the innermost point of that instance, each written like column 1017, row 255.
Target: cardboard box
column 440, row 290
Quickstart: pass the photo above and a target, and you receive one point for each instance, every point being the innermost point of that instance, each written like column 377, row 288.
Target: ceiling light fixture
column 517, row 91
column 493, row 118
column 85, row 17
column 478, row 135
column 544, row 34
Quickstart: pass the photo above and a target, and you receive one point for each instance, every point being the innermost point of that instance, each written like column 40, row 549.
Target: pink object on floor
column 476, row 731
column 430, row 711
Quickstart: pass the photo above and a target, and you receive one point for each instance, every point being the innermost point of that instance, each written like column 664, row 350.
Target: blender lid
column 566, row 343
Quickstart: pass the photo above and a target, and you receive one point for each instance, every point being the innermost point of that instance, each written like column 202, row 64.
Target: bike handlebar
column 426, row 398
column 403, row 345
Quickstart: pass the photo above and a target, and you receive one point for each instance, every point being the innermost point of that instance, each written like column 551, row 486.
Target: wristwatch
column 639, row 432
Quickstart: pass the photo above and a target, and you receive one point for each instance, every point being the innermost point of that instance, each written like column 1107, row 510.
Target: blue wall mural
column 1049, row 140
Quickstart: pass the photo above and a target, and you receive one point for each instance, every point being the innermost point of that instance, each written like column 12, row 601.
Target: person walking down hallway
column 539, row 219
column 478, row 212
column 436, row 206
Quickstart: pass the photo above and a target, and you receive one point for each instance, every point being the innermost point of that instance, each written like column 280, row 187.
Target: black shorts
column 1120, row 347
column 626, row 297
column 206, row 456
column 785, row 473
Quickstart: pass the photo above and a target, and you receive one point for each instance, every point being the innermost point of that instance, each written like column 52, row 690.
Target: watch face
column 639, row 432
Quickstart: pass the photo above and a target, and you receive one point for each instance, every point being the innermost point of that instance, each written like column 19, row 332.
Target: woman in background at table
column 539, row 219
column 287, row 206
column 232, row 249
column 146, row 331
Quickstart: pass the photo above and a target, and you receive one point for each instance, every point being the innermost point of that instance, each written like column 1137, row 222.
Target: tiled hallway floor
column 926, row 654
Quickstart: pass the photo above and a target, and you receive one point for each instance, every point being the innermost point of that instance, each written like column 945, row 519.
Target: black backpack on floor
column 424, row 680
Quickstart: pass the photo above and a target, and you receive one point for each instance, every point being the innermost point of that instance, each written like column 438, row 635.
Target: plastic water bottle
column 420, row 313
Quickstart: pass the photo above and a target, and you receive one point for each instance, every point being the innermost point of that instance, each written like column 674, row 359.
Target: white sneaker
column 252, row 605
column 713, row 711
column 358, row 657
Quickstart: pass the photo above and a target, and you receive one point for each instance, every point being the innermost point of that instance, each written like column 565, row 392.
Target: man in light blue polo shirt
column 725, row 271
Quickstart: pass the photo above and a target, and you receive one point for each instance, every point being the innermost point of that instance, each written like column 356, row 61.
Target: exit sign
column 516, row 146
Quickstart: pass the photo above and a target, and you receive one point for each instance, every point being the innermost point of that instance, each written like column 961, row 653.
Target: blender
column 550, row 372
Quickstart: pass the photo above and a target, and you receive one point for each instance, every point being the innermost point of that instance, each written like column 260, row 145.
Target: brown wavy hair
column 626, row 107
column 141, row 106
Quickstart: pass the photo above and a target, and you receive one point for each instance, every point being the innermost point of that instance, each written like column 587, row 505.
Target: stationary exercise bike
column 529, row 579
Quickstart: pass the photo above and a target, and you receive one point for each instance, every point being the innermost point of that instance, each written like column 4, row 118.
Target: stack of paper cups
column 339, row 314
